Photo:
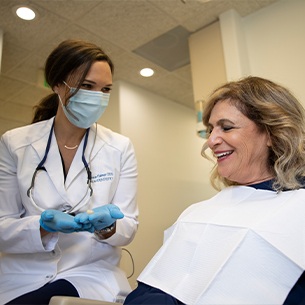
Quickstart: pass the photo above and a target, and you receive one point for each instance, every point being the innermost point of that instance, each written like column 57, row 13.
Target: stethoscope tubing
column 41, row 167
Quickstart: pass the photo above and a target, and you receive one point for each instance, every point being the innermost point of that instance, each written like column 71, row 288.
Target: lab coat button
column 49, row 276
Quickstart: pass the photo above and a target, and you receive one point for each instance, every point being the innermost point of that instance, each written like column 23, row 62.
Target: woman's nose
column 214, row 138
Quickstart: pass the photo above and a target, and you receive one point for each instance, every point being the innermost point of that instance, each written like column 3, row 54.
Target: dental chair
column 62, row 300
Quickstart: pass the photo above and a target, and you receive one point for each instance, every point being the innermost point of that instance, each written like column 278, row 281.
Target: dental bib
column 243, row 246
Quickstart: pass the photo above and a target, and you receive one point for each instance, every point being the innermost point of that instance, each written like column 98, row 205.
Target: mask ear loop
column 62, row 104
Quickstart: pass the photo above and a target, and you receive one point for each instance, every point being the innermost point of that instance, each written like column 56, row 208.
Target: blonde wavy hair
column 273, row 109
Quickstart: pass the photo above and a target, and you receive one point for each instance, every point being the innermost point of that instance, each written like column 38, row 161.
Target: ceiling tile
column 184, row 73
column 132, row 24
column 7, row 124
column 16, row 112
column 10, row 87
column 12, row 55
column 170, row 50
column 30, row 96
column 28, row 70
column 71, row 9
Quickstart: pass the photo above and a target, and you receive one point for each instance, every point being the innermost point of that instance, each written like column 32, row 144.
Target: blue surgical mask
column 85, row 107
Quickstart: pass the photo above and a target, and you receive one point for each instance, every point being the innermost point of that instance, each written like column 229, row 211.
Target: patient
column 246, row 244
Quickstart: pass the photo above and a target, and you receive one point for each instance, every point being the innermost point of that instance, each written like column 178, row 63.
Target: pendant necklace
column 71, row 147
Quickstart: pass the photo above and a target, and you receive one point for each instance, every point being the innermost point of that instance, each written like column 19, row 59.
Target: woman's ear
column 55, row 89
column 269, row 141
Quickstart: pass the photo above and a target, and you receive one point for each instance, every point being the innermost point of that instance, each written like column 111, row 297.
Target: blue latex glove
column 57, row 221
column 102, row 217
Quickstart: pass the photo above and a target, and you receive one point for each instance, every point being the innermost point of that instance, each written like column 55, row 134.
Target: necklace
column 71, row 147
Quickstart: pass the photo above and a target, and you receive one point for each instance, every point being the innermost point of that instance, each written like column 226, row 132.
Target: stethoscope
column 40, row 166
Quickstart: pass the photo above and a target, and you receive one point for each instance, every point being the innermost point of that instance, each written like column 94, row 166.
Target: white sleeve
column 18, row 234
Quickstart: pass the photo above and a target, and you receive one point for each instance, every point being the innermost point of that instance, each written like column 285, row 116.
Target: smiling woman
column 246, row 244
column 254, row 105
column 240, row 146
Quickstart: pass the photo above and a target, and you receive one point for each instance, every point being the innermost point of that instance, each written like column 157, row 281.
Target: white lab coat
column 243, row 246
column 26, row 261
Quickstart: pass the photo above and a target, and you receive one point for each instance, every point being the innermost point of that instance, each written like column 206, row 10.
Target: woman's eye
column 106, row 89
column 86, row 86
column 227, row 128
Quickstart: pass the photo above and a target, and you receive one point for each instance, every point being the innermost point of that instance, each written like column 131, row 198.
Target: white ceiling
column 119, row 26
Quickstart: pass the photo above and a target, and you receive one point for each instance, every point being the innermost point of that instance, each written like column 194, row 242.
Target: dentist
column 67, row 189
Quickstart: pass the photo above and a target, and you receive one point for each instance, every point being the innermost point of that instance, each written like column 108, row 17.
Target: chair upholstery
column 61, row 300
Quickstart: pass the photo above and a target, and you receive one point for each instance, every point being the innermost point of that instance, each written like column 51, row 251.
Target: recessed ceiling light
column 25, row 13
column 147, row 72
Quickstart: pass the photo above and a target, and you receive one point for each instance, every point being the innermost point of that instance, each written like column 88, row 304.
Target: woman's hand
column 100, row 218
column 57, row 221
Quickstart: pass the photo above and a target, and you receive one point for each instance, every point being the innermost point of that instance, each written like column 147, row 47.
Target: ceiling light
column 147, row 72
column 25, row 13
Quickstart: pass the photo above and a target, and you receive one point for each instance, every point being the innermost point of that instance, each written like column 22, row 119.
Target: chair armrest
column 62, row 300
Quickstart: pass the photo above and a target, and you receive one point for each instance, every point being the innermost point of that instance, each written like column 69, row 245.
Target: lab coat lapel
column 96, row 143
column 41, row 144
column 53, row 164
column 75, row 186
column 54, row 167
column 76, row 180
column 77, row 167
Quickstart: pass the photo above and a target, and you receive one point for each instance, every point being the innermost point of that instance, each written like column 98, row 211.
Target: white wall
column 268, row 43
column 172, row 173
column 234, row 45
column 207, row 60
column 275, row 38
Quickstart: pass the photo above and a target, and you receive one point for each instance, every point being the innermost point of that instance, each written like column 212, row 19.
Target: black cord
column 132, row 263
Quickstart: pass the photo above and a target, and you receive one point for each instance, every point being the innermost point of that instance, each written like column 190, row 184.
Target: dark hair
column 68, row 57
